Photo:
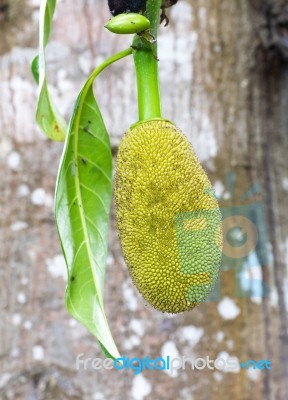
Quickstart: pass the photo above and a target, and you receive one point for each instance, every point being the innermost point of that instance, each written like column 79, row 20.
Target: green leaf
column 48, row 117
column 35, row 69
column 82, row 206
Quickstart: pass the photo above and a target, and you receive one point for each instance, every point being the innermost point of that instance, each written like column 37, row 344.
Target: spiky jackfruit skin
column 167, row 216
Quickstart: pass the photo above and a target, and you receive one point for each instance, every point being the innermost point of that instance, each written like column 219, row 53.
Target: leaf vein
column 96, row 166
column 81, row 184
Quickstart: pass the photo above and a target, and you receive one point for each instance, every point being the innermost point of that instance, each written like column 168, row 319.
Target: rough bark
column 224, row 77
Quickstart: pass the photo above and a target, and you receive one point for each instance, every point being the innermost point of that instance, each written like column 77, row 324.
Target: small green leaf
column 47, row 115
column 35, row 69
column 82, row 206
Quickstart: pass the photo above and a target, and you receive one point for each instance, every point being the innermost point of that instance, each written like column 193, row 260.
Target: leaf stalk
column 146, row 66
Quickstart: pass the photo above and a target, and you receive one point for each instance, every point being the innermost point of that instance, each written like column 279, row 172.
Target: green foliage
column 83, row 190
column 82, row 206
column 48, row 117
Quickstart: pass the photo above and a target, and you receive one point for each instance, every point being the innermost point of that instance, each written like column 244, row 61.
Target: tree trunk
column 224, row 82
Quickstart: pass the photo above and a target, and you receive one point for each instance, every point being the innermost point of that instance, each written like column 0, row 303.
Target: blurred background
column 224, row 80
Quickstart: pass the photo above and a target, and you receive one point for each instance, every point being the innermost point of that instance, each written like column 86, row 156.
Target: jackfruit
column 167, row 216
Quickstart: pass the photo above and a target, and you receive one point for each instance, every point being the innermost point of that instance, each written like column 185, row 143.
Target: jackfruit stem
column 146, row 66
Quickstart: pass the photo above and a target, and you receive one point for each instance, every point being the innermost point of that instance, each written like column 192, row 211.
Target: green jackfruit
column 167, row 216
